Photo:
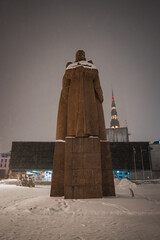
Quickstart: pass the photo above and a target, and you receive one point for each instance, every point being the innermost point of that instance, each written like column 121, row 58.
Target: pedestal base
column 82, row 168
column 107, row 171
column 82, row 175
column 57, row 185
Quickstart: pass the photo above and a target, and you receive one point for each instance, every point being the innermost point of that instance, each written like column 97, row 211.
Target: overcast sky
column 38, row 38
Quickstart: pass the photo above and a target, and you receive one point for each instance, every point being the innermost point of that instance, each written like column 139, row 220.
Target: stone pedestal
column 82, row 174
column 107, row 171
column 82, row 168
column 57, row 186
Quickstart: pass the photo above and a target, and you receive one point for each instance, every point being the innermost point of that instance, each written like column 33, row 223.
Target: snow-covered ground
column 30, row 214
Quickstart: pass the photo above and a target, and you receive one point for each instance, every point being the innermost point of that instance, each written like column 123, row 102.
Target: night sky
column 38, row 38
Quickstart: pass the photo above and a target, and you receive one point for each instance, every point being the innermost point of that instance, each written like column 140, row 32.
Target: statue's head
column 80, row 55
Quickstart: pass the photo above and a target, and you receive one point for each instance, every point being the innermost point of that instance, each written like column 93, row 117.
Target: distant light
column 117, row 171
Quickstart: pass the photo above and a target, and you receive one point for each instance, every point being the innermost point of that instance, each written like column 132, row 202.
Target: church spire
column 114, row 120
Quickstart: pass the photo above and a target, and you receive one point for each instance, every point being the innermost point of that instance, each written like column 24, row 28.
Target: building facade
column 117, row 134
column 155, row 156
column 133, row 158
column 4, row 164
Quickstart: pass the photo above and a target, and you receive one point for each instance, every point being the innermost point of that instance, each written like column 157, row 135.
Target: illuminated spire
column 114, row 120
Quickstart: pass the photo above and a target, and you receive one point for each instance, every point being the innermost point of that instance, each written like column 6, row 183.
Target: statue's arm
column 65, row 86
column 98, row 89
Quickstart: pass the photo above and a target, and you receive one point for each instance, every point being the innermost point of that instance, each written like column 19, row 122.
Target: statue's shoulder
column 68, row 69
column 90, row 61
column 68, row 63
column 90, row 65
column 93, row 67
column 81, row 64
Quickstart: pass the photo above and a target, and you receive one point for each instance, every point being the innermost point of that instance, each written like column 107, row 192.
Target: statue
column 82, row 165
column 80, row 111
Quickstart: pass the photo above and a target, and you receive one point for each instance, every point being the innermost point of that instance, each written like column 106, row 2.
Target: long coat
column 80, row 111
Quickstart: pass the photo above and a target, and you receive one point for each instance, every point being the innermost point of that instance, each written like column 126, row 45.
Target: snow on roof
column 85, row 64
